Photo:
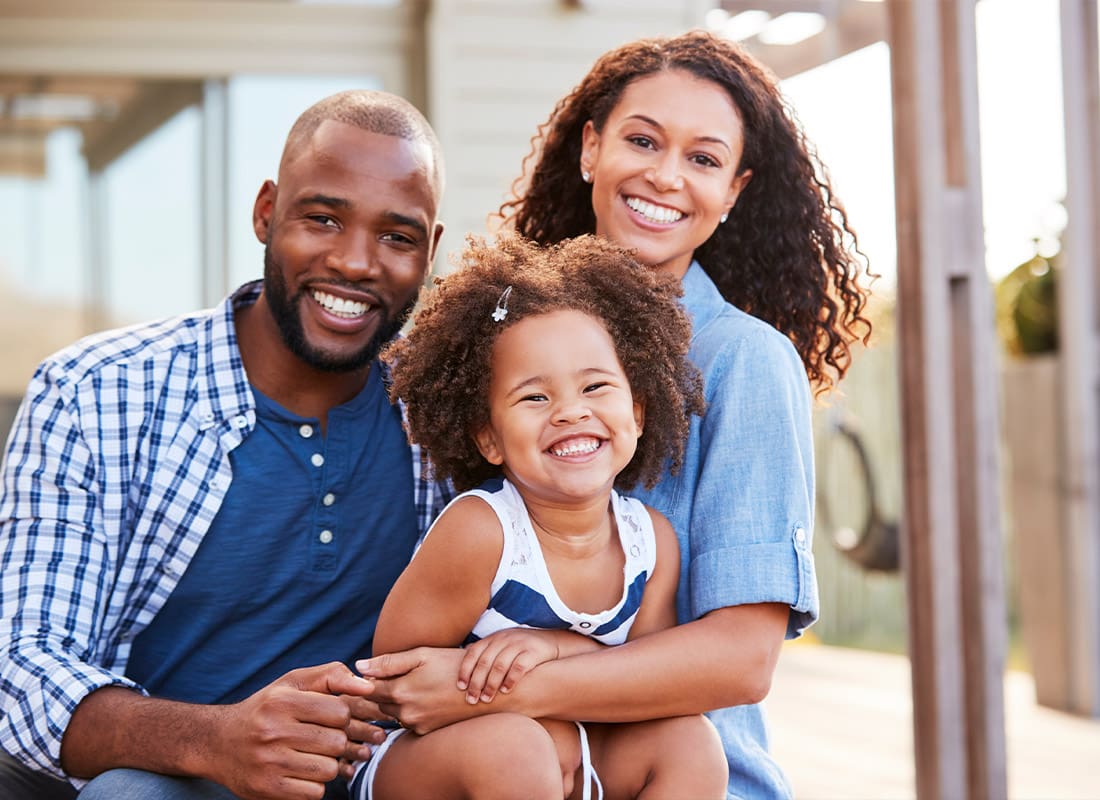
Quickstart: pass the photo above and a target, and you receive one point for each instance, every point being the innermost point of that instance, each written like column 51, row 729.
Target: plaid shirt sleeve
column 431, row 496
column 54, row 562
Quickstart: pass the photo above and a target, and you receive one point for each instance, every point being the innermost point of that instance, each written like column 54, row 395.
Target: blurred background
column 134, row 136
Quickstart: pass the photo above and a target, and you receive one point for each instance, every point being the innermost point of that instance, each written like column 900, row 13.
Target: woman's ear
column 590, row 149
column 740, row 181
column 486, row 442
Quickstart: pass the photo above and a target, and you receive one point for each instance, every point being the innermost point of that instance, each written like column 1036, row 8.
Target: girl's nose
column 571, row 412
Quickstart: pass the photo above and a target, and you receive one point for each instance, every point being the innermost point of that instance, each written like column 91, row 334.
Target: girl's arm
column 442, row 592
column 658, row 609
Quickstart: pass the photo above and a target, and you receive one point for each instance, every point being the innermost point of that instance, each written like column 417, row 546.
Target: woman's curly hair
column 786, row 255
column 442, row 369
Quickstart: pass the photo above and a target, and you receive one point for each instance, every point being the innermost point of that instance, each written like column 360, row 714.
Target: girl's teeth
column 577, row 448
column 652, row 212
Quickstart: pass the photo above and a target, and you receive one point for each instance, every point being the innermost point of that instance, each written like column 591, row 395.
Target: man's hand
column 296, row 734
column 419, row 687
column 500, row 660
column 285, row 741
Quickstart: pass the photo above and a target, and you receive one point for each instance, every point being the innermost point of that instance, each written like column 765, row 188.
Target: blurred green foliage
column 1027, row 307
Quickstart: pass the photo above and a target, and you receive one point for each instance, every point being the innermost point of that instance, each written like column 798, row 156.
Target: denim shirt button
column 800, row 535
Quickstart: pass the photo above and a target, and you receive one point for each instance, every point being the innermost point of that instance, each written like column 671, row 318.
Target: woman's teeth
column 654, row 213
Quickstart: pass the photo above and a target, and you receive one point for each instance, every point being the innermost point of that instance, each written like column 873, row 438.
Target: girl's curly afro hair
column 442, row 369
column 786, row 255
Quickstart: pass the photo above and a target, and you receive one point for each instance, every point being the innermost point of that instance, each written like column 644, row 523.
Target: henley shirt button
column 586, row 624
column 329, row 499
column 317, row 459
column 241, row 421
column 325, row 537
column 306, row 431
column 799, row 535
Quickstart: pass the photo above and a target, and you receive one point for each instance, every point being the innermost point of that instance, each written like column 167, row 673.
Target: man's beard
column 284, row 309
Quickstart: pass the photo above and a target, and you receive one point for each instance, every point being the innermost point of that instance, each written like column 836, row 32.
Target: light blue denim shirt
column 742, row 505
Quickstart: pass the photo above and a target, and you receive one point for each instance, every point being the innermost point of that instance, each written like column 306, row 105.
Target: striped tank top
column 522, row 594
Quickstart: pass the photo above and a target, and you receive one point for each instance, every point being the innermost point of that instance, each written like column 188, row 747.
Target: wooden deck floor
column 841, row 723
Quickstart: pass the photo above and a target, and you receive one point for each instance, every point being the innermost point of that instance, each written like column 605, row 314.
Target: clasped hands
column 313, row 724
column 425, row 688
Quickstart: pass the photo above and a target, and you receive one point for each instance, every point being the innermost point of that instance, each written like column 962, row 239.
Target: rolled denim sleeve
column 53, row 559
column 751, row 520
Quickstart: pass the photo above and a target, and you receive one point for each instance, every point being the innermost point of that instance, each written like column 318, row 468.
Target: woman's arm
column 726, row 658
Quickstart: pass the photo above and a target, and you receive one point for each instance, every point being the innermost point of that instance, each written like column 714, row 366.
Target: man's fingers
column 360, row 731
column 390, row 665
column 362, row 709
column 389, row 710
column 332, row 679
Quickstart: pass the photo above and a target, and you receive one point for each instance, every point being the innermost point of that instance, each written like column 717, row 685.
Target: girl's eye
column 594, row 386
column 535, row 398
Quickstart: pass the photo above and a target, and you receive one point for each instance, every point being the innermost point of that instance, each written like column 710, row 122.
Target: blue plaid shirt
column 117, row 464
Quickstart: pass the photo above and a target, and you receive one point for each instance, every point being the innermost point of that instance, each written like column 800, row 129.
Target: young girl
column 555, row 375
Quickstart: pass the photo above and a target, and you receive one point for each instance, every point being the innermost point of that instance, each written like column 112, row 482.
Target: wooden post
column 951, row 541
column 1079, row 327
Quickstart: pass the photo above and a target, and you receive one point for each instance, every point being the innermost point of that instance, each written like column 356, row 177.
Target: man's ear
column 486, row 442
column 262, row 210
column 437, row 234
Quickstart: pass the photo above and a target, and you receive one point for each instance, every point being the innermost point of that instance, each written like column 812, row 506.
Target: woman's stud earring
column 724, row 217
column 586, row 176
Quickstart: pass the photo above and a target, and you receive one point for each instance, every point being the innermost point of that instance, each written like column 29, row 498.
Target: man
column 201, row 517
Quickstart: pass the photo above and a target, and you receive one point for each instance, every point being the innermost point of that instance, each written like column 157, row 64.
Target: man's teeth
column 654, row 213
column 577, row 448
column 340, row 306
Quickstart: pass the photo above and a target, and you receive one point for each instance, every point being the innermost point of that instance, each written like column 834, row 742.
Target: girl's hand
column 499, row 661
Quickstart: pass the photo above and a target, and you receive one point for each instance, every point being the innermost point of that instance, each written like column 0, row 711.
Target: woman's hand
column 419, row 687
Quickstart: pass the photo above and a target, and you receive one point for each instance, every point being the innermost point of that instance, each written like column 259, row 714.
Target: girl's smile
column 562, row 418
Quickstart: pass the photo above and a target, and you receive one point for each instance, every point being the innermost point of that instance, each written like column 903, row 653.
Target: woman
column 684, row 150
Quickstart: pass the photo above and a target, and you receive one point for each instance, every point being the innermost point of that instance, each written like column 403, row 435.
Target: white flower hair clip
column 501, row 311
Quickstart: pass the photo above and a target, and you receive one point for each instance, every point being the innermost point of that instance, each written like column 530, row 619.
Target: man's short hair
column 374, row 111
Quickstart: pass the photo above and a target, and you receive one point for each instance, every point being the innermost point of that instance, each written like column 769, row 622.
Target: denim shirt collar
column 701, row 299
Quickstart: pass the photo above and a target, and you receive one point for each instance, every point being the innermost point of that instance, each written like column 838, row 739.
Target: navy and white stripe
column 523, row 595
column 117, row 463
